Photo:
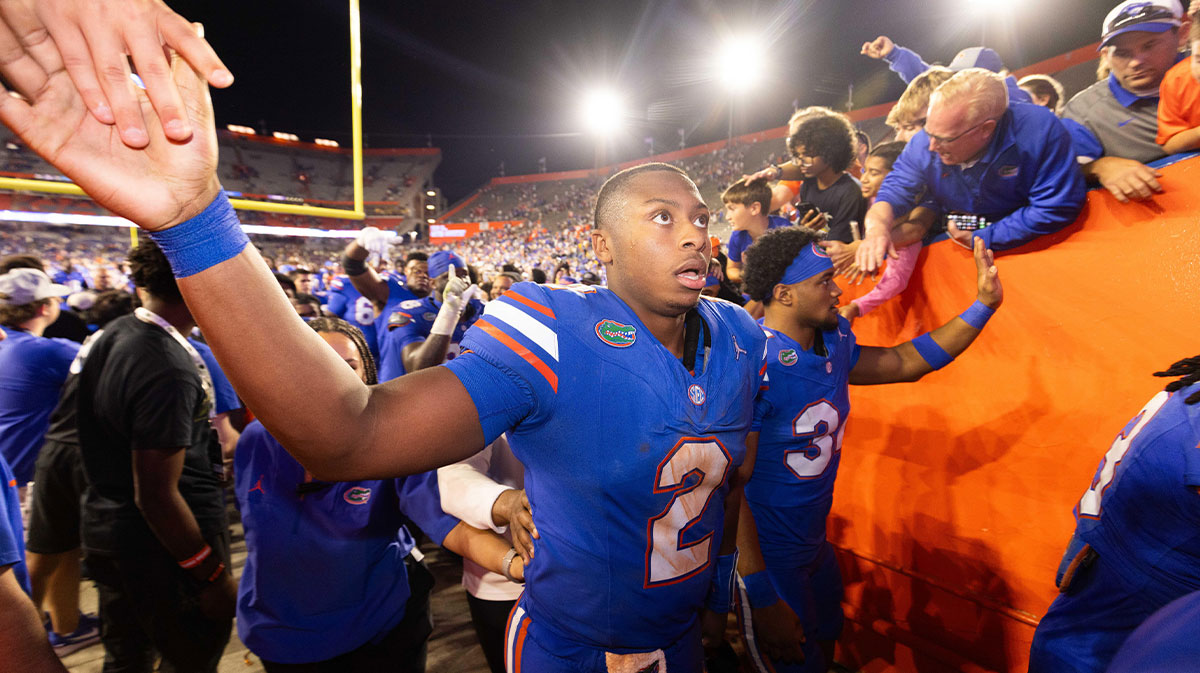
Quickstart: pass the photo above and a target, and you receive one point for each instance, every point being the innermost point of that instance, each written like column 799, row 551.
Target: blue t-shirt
column 627, row 454
column 409, row 323
column 1142, row 511
column 75, row 281
column 324, row 569
column 800, row 415
column 348, row 304
column 12, row 531
column 739, row 239
column 32, row 372
column 1167, row 642
column 226, row 399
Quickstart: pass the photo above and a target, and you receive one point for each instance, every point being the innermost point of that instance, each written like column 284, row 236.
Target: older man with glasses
column 1005, row 174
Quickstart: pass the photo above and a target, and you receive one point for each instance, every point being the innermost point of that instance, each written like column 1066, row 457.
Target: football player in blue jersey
column 1137, row 534
column 791, row 584
column 347, row 303
column 421, row 333
column 629, row 405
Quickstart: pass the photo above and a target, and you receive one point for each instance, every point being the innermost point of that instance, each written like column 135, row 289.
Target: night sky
column 501, row 80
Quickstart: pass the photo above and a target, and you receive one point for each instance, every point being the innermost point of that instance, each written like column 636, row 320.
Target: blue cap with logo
column 1148, row 16
column 977, row 57
column 440, row 261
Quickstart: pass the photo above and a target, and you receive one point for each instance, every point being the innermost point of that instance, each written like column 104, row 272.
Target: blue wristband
column 720, row 594
column 977, row 315
column 204, row 241
column 935, row 355
column 759, row 590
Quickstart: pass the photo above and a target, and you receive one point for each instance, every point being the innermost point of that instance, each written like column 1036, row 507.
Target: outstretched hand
column 156, row 187
column 991, row 294
column 875, row 247
column 512, row 509
column 880, row 47
column 94, row 38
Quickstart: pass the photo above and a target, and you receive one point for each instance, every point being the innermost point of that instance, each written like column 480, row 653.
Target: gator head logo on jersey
column 359, row 495
column 787, row 357
column 616, row 334
column 696, row 394
column 398, row 319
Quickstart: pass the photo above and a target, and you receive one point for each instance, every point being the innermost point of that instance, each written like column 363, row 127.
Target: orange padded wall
column 953, row 502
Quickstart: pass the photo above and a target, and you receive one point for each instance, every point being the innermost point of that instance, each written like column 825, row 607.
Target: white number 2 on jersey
column 364, row 311
column 1089, row 504
column 820, row 424
column 668, row 558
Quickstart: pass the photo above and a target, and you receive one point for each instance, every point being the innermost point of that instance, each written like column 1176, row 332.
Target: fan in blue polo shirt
column 331, row 573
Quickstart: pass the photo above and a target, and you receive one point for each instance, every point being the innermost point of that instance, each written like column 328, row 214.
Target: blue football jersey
column 348, row 304
column 1142, row 511
column 397, row 293
column 409, row 322
column 627, row 453
column 800, row 415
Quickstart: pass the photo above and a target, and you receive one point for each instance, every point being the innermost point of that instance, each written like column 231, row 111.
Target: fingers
column 18, row 66
column 891, row 251
column 107, row 58
column 190, row 44
column 78, row 62
column 522, row 529
column 155, row 71
column 22, row 20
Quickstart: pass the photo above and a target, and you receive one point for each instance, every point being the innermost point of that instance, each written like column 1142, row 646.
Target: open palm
column 157, row 186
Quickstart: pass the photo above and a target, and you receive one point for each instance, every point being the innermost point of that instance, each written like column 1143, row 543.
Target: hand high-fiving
column 165, row 183
column 991, row 294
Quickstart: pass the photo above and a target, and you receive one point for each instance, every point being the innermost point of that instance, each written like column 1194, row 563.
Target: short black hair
column 889, row 152
column 609, row 200
column 150, row 270
column 537, row 275
column 829, row 136
column 770, row 256
column 299, row 271
column 416, row 255
column 109, row 305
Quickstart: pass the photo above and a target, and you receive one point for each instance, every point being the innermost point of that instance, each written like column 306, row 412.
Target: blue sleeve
column 737, row 244
column 502, row 399
column 1055, row 199
column 421, row 501
column 406, row 329
column 1084, row 143
column 55, row 358
column 1015, row 93
column 906, row 63
column 762, row 405
column 227, row 400
column 907, row 183
column 337, row 300
column 12, row 532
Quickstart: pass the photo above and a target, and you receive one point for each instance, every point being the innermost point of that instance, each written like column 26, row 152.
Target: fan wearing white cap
column 908, row 63
column 1114, row 122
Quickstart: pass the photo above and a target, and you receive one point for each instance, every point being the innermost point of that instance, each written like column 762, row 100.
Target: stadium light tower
column 739, row 65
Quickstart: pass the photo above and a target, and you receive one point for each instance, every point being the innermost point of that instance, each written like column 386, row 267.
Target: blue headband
column 440, row 261
column 811, row 261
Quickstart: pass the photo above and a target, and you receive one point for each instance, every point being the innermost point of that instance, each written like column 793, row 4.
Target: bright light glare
column 603, row 111
column 993, row 6
column 740, row 62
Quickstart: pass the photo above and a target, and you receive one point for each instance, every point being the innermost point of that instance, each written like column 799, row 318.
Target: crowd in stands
column 119, row 401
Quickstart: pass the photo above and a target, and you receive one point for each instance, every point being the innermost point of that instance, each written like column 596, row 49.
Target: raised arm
column 911, row 360
column 365, row 279
column 303, row 393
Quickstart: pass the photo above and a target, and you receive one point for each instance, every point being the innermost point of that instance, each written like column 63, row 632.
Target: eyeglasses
column 941, row 140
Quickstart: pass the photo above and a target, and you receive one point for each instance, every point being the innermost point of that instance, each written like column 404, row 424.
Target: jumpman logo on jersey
column 738, row 351
column 257, row 487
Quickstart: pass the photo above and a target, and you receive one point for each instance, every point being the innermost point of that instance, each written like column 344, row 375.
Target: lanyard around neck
column 148, row 316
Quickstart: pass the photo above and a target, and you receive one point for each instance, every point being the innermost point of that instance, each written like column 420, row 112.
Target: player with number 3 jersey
column 1137, row 534
column 791, row 583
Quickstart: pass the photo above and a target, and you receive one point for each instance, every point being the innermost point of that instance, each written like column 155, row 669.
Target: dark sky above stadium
column 501, row 80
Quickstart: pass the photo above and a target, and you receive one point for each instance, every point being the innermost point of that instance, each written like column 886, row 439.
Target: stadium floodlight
column 430, row 220
column 603, row 111
column 430, row 206
column 280, row 135
column 740, row 61
column 324, row 142
column 430, row 193
column 238, row 128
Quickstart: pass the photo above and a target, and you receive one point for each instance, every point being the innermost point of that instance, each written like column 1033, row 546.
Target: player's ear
column 782, row 293
column 602, row 246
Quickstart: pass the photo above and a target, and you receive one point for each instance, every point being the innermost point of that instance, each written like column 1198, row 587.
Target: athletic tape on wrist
column 977, row 314
column 353, row 267
column 204, row 241
column 720, row 594
column 935, row 355
column 759, row 590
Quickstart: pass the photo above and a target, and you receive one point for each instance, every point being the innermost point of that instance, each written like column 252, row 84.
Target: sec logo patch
column 616, row 334
column 787, row 357
column 358, row 495
column 696, row 394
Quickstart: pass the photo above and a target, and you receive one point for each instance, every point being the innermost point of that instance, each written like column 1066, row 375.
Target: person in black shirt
column 153, row 530
column 823, row 146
